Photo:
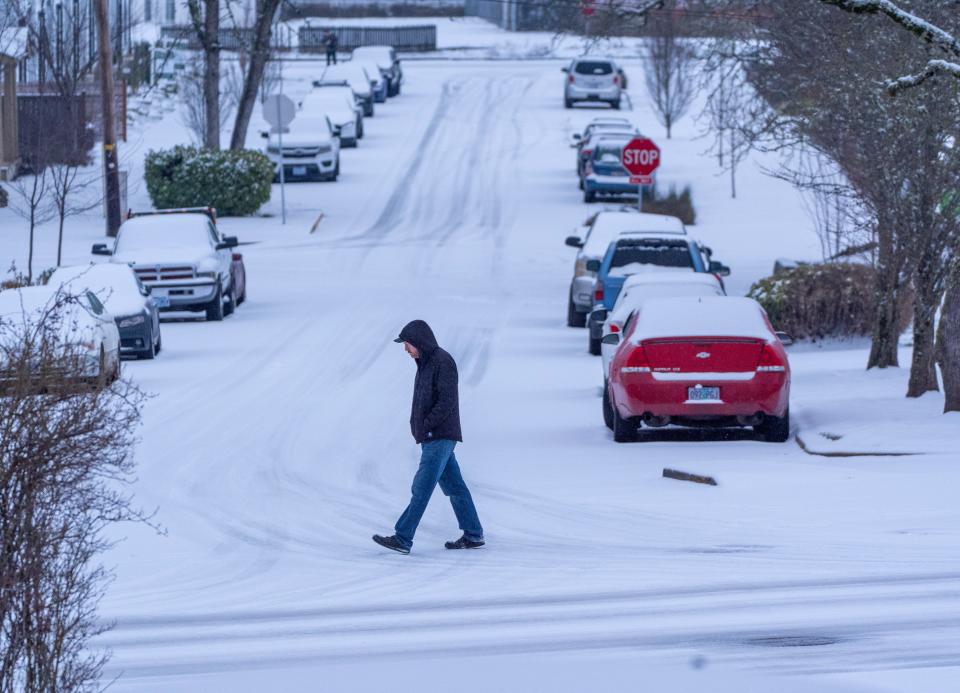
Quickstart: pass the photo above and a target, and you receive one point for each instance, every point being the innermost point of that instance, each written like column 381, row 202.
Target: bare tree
column 266, row 11
column 670, row 63
column 31, row 202
column 948, row 339
column 66, row 446
column 928, row 32
column 67, row 181
column 191, row 88
column 206, row 26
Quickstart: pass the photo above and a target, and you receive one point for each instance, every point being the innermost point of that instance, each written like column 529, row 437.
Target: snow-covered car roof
column 329, row 98
column 163, row 231
column 697, row 278
column 381, row 54
column 609, row 225
column 352, row 73
column 371, row 66
column 115, row 284
column 704, row 316
column 316, row 106
column 29, row 304
column 638, row 288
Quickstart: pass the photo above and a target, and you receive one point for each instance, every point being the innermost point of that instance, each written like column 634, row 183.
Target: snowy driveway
column 278, row 441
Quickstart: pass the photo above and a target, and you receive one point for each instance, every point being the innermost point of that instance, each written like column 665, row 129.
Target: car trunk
column 703, row 355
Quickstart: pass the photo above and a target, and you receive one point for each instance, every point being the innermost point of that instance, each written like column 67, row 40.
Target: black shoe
column 390, row 543
column 464, row 543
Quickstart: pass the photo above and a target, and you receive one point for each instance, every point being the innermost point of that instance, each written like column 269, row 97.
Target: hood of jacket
column 419, row 334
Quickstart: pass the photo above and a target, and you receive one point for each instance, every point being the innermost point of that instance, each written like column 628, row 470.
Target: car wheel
column 624, row 430
column 615, row 104
column 581, row 182
column 589, row 196
column 336, row 170
column 568, row 103
column 574, row 317
column 229, row 305
column 151, row 350
column 775, row 429
column 159, row 344
column 360, row 129
column 215, row 307
column 607, row 409
column 397, row 92
column 593, row 345
column 241, row 299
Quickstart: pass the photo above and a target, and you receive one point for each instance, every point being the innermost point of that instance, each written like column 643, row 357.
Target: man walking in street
column 331, row 43
column 435, row 424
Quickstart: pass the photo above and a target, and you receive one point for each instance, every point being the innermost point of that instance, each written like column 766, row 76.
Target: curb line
column 803, row 446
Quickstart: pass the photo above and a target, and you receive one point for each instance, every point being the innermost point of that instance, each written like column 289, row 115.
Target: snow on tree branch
column 926, row 31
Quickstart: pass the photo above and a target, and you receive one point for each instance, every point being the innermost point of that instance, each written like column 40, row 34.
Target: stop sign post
column 641, row 157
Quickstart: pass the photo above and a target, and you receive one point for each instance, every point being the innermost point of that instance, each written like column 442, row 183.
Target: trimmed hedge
column 236, row 183
column 817, row 301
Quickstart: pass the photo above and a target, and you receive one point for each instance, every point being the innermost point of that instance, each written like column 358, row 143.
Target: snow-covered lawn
column 278, row 443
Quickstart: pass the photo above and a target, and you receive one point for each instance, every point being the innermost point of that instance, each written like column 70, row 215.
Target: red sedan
column 708, row 361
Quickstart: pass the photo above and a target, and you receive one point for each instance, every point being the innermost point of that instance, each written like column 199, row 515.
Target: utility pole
column 111, row 173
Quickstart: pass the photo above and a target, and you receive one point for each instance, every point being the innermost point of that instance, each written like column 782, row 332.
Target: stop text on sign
column 641, row 157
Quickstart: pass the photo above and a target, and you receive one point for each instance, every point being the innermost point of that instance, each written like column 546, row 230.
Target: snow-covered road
column 278, row 442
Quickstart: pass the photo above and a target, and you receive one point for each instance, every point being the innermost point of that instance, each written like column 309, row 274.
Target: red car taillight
column 770, row 361
column 614, row 327
column 637, row 361
column 572, row 80
column 616, row 80
column 598, row 291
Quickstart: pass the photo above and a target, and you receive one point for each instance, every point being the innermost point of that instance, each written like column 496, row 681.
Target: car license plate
column 162, row 301
column 703, row 394
column 593, row 96
column 299, row 170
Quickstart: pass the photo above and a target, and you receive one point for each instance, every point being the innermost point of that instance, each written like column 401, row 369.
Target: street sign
column 641, row 180
column 279, row 111
column 641, row 157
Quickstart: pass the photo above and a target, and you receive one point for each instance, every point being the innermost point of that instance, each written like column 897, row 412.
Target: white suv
column 593, row 79
column 311, row 149
column 181, row 256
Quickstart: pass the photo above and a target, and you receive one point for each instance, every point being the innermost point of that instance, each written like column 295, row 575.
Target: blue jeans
column 438, row 464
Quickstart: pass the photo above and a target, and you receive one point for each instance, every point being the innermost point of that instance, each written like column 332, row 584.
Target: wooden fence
column 231, row 38
column 402, row 38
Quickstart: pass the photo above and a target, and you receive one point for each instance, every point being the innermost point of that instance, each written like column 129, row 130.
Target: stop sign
column 640, row 157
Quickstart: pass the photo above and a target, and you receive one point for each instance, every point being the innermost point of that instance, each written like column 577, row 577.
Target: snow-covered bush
column 817, row 301
column 675, row 204
column 236, row 183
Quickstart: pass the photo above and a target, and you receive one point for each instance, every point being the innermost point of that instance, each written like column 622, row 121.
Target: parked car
column 595, row 236
column 378, row 82
column 346, row 93
column 353, row 76
column 239, row 277
column 339, row 107
column 592, row 79
column 705, row 361
column 588, row 143
column 124, row 296
column 80, row 325
column 311, row 150
column 181, row 256
column 636, row 290
column 388, row 62
column 633, row 253
column 603, row 173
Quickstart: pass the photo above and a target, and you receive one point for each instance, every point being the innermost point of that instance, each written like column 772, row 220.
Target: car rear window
column 593, row 67
column 607, row 153
column 652, row 251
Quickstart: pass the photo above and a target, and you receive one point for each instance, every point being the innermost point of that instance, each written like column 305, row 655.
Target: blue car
column 643, row 252
column 603, row 173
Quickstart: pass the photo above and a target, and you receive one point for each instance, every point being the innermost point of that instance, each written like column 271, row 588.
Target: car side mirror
column 574, row 241
column 719, row 268
column 336, row 131
column 612, row 339
column 564, row 69
column 264, row 134
column 593, row 266
column 228, row 242
column 599, row 315
column 707, row 250
column 101, row 249
column 785, row 339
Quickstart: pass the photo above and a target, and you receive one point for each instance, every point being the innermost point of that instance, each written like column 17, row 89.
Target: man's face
column 412, row 350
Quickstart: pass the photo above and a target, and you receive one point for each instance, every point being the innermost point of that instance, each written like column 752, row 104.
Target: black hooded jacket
column 435, row 414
